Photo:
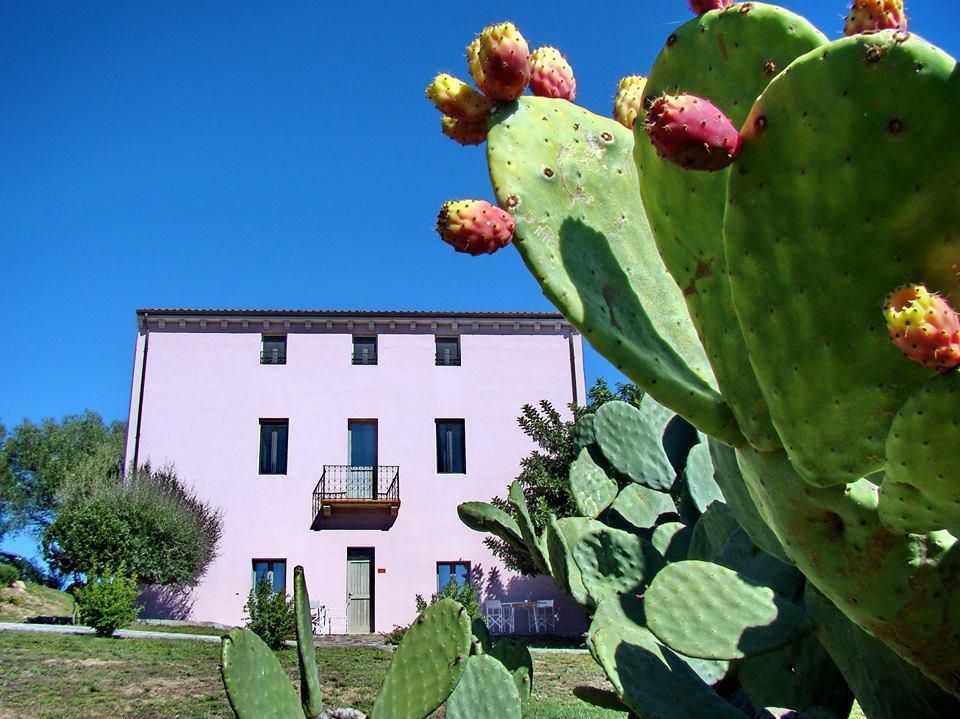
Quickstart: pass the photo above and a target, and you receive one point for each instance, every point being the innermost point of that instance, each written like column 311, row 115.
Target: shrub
column 270, row 614
column 8, row 575
column 395, row 635
column 108, row 601
column 154, row 523
column 466, row 595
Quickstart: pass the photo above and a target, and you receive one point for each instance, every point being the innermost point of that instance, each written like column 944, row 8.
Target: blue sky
column 259, row 155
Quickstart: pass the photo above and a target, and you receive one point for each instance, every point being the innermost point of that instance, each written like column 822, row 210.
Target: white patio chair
column 499, row 617
column 544, row 616
column 318, row 618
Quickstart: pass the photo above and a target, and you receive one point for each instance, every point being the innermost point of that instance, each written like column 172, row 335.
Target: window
column 458, row 572
column 273, row 349
column 448, row 351
column 272, row 570
column 364, row 350
column 451, row 452
column 273, row 446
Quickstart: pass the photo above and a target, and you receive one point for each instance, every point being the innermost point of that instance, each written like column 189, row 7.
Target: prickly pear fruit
column 875, row 15
column 692, row 132
column 628, row 104
column 551, row 75
column 503, row 62
column 466, row 132
column 473, row 62
column 475, row 227
column 924, row 326
column 702, row 6
column 455, row 98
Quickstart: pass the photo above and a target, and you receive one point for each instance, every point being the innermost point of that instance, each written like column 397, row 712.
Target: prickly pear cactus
column 841, row 187
column 256, row 685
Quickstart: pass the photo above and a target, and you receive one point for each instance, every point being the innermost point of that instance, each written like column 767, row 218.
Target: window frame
column 270, row 421
column 354, row 355
column 271, row 563
column 282, row 355
column 463, row 443
column 453, row 574
column 457, row 358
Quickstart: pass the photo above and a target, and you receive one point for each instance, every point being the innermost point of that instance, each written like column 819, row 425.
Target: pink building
column 344, row 441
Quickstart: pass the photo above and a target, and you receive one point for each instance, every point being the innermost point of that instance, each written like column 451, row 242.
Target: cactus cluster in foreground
column 771, row 253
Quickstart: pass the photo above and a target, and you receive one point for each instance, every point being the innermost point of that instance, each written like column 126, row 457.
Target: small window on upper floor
column 448, row 351
column 364, row 350
column 451, row 447
column 273, row 445
column 273, row 349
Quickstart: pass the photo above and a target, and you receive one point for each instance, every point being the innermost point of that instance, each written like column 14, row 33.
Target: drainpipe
column 143, row 381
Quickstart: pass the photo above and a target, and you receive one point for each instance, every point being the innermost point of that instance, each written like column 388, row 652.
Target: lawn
column 55, row 676
column 37, row 599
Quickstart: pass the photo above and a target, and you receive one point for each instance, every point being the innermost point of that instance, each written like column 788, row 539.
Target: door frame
column 372, row 553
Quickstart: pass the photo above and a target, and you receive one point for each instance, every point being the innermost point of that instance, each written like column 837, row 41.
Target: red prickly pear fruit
column 475, row 227
column 924, row 327
column 551, row 75
column 466, row 132
column 875, row 15
column 692, row 132
column 628, row 104
column 702, row 6
column 455, row 98
column 503, row 62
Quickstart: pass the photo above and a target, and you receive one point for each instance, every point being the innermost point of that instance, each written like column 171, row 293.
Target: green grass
column 57, row 676
column 38, row 600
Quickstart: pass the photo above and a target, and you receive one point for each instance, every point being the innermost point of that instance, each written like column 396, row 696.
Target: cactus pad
column 486, row 691
column 532, row 542
column 653, row 681
column 632, row 443
column 592, row 489
column 727, row 57
column 708, row 611
column 306, row 653
column 428, row 663
column 639, row 507
column 672, row 540
column 711, row 532
column 257, row 686
column 921, row 489
column 700, row 484
column 515, row 656
column 834, row 121
column 614, row 562
column 562, row 536
column 485, row 517
column 568, row 177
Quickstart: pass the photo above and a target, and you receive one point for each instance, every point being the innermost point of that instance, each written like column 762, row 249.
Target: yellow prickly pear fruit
column 473, row 62
column 466, row 132
column 455, row 98
column 629, row 101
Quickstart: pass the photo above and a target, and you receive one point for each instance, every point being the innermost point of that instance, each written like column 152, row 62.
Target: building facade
column 344, row 441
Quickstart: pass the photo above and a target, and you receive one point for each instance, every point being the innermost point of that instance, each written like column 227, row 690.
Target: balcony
column 367, row 358
column 351, row 488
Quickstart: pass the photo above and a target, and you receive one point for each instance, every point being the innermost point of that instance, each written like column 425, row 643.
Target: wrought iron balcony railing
column 274, row 356
column 356, row 485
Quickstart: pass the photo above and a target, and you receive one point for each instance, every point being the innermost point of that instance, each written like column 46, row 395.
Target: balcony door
column 362, row 450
